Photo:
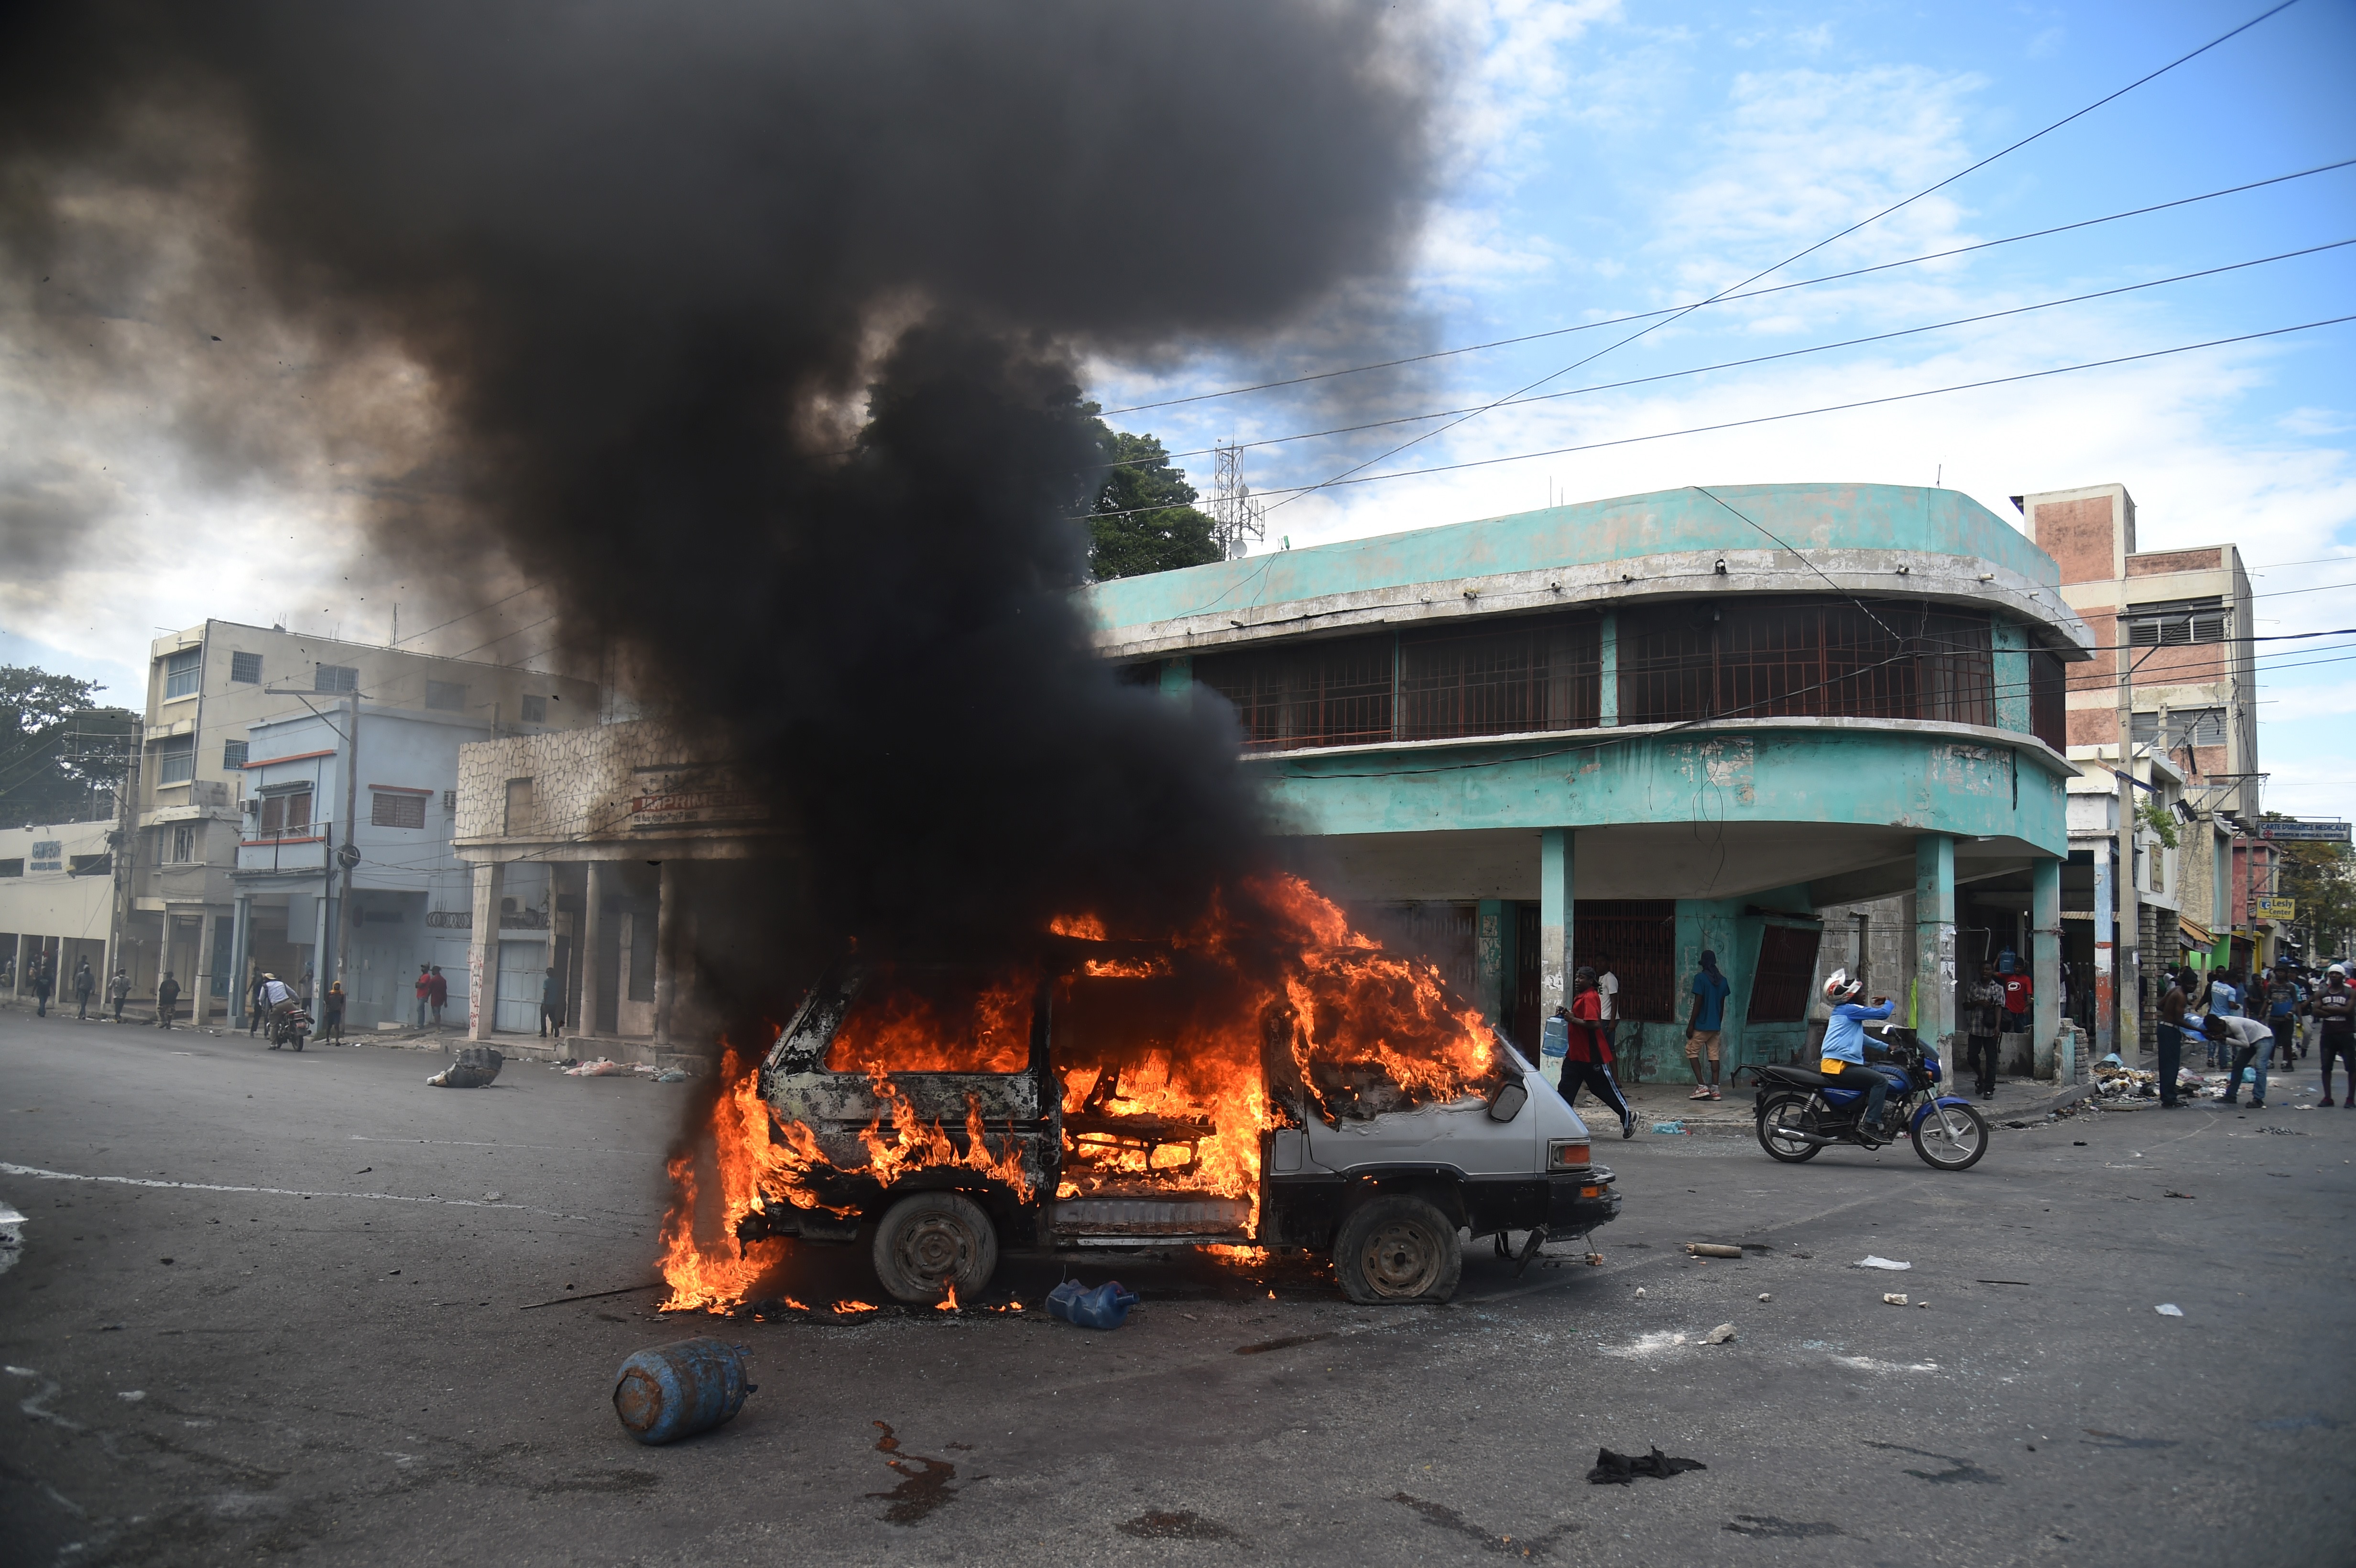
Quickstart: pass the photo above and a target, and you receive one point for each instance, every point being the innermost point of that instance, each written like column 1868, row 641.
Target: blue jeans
column 2253, row 1057
column 420, row 1012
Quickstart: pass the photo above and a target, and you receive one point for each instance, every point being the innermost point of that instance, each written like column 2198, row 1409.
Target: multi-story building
column 2173, row 677
column 208, row 688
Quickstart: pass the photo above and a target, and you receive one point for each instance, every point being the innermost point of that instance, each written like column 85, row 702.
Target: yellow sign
column 2273, row 908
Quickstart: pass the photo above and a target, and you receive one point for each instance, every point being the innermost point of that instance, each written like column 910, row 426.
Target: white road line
column 40, row 1175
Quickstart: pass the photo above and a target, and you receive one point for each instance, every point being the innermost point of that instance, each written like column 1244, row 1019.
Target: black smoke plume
column 752, row 327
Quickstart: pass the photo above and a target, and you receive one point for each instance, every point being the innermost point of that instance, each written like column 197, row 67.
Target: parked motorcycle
column 289, row 1028
column 1799, row 1112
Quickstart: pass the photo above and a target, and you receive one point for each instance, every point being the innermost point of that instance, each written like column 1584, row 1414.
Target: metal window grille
column 176, row 760
column 388, row 808
column 1800, row 658
column 2186, row 727
column 1442, row 935
column 336, row 677
column 449, row 695
column 184, row 843
column 1786, row 967
column 1322, row 694
column 233, row 754
column 1545, row 675
column 182, row 671
column 245, row 669
column 1640, row 936
column 535, row 710
column 286, row 815
column 450, row 802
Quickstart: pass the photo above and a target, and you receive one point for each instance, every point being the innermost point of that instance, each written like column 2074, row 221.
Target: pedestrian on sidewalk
column 84, row 983
column 1983, row 1022
column 2172, row 1004
column 1587, row 1050
column 424, row 991
column 2020, row 992
column 1704, row 1022
column 439, row 996
column 331, row 1014
column 552, row 1007
column 118, row 991
column 2284, row 998
column 2335, row 1030
column 2251, row 1043
column 45, row 980
column 168, row 995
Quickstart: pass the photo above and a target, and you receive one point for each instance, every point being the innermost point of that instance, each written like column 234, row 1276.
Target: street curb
column 2056, row 1101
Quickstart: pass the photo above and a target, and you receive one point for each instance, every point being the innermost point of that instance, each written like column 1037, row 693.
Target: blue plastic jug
column 1103, row 1308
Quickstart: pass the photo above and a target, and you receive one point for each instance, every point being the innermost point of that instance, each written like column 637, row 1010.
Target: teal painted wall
column 1875, row 777
column 1655, row 1052
column 1803, row 516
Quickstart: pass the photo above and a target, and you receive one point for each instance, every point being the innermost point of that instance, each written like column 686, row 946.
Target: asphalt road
column 316, row 1351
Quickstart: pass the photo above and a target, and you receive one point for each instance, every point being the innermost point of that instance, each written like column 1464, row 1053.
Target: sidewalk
column 1672, row 1105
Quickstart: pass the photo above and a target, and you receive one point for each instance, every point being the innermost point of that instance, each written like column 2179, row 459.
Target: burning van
column 1128, row 1095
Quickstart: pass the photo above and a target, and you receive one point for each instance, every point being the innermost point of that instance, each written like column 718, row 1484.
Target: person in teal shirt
column 1704, row 1024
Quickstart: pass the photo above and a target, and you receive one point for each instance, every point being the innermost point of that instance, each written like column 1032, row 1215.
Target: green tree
column 2322, row 878
column 1145, row 518
column 56, row 747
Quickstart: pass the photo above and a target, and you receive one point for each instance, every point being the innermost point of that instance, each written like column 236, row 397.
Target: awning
column 2197, row 934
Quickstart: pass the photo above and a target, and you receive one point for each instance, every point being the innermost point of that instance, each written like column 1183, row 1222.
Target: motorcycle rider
column 1843, row 1061
column 277, row 1000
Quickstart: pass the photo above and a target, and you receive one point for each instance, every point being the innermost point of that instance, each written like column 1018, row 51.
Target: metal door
column 522, row 967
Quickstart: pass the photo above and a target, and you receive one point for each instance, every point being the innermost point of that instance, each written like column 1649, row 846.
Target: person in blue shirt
column 1703, row 1025
column 2224, row 1000
column 1843, row 1049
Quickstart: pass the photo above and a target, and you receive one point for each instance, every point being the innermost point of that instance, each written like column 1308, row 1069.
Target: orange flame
column 947, row 1303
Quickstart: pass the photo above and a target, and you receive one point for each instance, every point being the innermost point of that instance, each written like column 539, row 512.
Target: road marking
column 40, row 1175
column 473, row 1143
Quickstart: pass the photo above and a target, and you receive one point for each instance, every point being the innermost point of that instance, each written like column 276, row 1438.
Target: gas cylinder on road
column 678, row 1390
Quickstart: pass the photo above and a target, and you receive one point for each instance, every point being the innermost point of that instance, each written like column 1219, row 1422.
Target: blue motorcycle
column 1799, row 1112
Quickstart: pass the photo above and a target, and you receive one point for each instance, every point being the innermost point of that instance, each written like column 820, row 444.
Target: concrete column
column 320, row 971
column 667, row 912
column 2105, row 975
column 1557, row 852
column 483, row 950
column 2011, row 662
column 240, row 951
column 208, row 929
column 2045, row 956
column 585, row 949
column 163, row 954
column 1178, row 677
column 16, row 970
column 1489, row 959
column 1608, row 697
column 1934, row 941
column 2127, row 933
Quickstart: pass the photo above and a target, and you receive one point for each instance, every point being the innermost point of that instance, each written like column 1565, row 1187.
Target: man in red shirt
column 1587, row 1050
column 2018, row 991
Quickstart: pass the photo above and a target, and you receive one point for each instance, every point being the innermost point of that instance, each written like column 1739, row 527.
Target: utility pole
column 1234, row 516
column 350, row 856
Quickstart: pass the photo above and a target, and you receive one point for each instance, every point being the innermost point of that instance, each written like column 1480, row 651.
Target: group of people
column 2245, row 1025
column 433, row 994
column 41, row 979
column 1584, row 1027
column 1994, row 1005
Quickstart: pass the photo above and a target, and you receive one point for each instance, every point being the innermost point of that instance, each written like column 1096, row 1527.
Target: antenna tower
column 1235, row 519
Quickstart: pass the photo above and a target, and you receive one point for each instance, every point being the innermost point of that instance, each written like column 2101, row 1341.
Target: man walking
column 424, row 991
column 2172, row 1004
column 2251, row 1043
column 2019, row 991
column 2284, row 997
column 1983, row 1021
column 1703, row 1023
column 1587, row 1050
column 2335, row 1030
column 439, row 996
column 552, row 1007
column 167, row 994
column 84, row 983
column 118, row 990
column 45, row 980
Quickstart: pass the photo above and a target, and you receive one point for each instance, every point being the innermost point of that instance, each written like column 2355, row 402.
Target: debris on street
column 477, row 1067
column 2169, row 1309
column 1722, row 1334
column 1892, row 1299
column 1712, row 1249
column 2113, row 1081
column 601, row 1068
column 1106, row 1306
column 678, row 1390
column 1669, row 1128
column 1871, row 1261
column 1619, row 1470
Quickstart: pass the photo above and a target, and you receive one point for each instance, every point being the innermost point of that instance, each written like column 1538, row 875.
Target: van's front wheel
column 1397, row 1249
column 931, row 1242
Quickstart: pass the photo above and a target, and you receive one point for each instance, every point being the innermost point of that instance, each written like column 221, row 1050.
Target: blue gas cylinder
column 1103, row 1308
column 676, row 1390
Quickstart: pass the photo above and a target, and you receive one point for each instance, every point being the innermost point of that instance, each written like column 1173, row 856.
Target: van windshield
column 910, row 1019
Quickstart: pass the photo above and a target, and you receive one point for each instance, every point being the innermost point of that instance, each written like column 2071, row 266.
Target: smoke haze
column 751, row 329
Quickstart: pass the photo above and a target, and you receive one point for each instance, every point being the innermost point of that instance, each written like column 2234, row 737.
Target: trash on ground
column 2169, row 1309
column 2114, row 1083
column 1639, row 1293
column 1721, row 1335
column 1104, row 1308
column 1668, row 1127
column 673, row 1076
column 1871, row 1261
column 1618, row 1470
column 1891, row 1299
column 2172, row 1192
column 1766, row 1295
column 1712, row 1249
column 678, row 1390
column 477, row 1067
column 601, row 1068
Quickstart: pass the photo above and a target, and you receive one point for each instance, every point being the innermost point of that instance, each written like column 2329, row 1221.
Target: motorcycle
column 289, row 1028
column 1799, row 1112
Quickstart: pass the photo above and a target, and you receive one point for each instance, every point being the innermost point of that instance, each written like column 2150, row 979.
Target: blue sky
column 1611, row 156
column 1621, row 157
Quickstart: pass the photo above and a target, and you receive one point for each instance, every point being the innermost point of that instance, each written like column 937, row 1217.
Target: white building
column 56, row 888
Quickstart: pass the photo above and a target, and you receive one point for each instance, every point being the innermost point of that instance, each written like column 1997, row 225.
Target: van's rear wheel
column 929, row 1241
column 1397, row 1249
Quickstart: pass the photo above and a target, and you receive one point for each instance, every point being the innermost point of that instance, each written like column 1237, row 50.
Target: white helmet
column 1841, row 989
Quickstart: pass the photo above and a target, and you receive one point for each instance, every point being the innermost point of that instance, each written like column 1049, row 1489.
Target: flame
column 1169, row 1074
column 847, row 1307
column 947, row 1303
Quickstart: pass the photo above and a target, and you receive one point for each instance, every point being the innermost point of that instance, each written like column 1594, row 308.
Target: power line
column 1724, row 299
column 1811, row 249
column 469, row 614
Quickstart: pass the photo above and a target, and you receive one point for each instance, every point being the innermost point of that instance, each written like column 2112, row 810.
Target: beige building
column 56, row 888
column 207, row 686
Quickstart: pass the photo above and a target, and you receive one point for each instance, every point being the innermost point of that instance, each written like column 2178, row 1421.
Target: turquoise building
column 1649, row 726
